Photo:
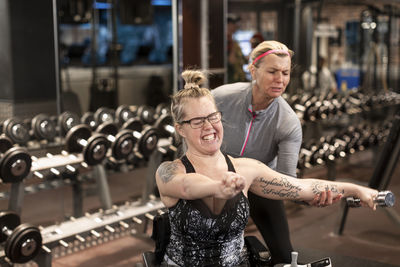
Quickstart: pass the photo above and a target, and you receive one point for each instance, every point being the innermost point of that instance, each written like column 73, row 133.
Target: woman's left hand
column 367, row 196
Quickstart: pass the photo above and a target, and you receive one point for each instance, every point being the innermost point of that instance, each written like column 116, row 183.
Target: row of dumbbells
column 342, row 144
column 43, row 127
column 125, row 114
column 23, row 241
column 17, row 162
column 108, row 142
column 311, row 107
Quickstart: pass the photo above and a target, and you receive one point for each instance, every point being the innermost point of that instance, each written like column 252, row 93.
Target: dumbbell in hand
column 15, row 162
column 22, row 241
column 383, row 199
column 93, row 146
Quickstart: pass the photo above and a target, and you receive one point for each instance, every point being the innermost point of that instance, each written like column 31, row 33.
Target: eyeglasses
column 198, row 122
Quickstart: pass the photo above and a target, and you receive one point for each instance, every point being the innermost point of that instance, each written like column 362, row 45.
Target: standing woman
column 206, row 191
column 260, row 124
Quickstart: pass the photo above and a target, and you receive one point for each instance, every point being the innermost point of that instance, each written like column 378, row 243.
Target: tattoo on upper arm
column 319, row 187
column 167, row 170
column 281, row 187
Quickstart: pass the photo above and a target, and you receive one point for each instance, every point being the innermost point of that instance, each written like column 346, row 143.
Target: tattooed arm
column 270, row 184
column 174, row 183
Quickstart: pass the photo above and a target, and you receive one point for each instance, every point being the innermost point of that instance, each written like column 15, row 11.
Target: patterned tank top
column 201, row 238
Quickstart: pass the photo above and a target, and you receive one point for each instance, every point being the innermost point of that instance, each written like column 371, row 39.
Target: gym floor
column 370, row 238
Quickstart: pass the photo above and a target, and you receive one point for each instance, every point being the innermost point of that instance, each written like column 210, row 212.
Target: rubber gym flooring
column 370, row 238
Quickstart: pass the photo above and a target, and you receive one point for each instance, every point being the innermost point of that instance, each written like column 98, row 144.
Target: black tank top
column 202, row 238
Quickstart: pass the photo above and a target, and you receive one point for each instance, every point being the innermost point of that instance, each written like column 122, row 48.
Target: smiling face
column 207, row 139
column 271, row 76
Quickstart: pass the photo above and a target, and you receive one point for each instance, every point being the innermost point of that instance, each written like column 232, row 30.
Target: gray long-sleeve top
column 272, row 136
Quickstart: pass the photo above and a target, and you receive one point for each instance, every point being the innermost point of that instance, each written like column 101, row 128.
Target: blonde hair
column 266, row 46
column 193, row 80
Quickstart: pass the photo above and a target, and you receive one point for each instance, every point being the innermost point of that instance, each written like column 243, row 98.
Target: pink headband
column 269, row 52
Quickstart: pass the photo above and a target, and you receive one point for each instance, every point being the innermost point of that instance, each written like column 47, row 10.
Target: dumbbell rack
column 18, row 190
column 356, row 105
column 383, row 171
column 93, row 229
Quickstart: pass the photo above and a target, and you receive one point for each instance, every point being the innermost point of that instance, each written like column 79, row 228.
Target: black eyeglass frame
column 203, row 119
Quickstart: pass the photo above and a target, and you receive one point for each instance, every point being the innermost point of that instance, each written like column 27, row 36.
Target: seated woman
column 206, row 191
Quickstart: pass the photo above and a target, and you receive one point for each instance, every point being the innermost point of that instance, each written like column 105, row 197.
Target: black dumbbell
column 88, row 119
column 134, row 124
column 16, row 130
column 22, row 241
column 146, row 114
column 164, row 125
column 93, row 146
column 43, row 128
column 383, row 199
column 146, row 140
column 15, row 162
column 104, row 115
column 5, row 143
column 122, row 142
column 125, row 112
column 66, row 121
column 162, row 108
column 166, row 130
column 146, row 136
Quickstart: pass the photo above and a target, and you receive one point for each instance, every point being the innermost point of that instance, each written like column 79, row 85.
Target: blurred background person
column 236, row 59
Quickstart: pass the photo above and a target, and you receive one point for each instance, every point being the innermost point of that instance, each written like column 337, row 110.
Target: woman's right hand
column 231, row 184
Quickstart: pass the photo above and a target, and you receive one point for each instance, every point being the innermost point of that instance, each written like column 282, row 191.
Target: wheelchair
column 258, row 254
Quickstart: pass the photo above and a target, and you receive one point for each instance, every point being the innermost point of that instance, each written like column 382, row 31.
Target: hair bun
column 193, row 79
column 191, row 85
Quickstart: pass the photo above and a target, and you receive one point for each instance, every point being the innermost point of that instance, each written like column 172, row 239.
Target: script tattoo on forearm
column 319, row 187
column 167, row 171
column 281, row 187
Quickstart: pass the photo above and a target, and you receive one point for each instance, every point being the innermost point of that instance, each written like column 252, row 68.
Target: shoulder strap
column 188, row 166
column 230, row 164
column 190, row 169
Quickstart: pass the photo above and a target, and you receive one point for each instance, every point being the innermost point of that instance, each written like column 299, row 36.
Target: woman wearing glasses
column 205, row 191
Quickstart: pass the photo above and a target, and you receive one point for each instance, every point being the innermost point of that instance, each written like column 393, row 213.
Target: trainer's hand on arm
column 365, row 194
column 325, row 198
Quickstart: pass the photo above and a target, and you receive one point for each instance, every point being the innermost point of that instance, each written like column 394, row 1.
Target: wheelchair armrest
column 149, row 259
column 259, row 255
